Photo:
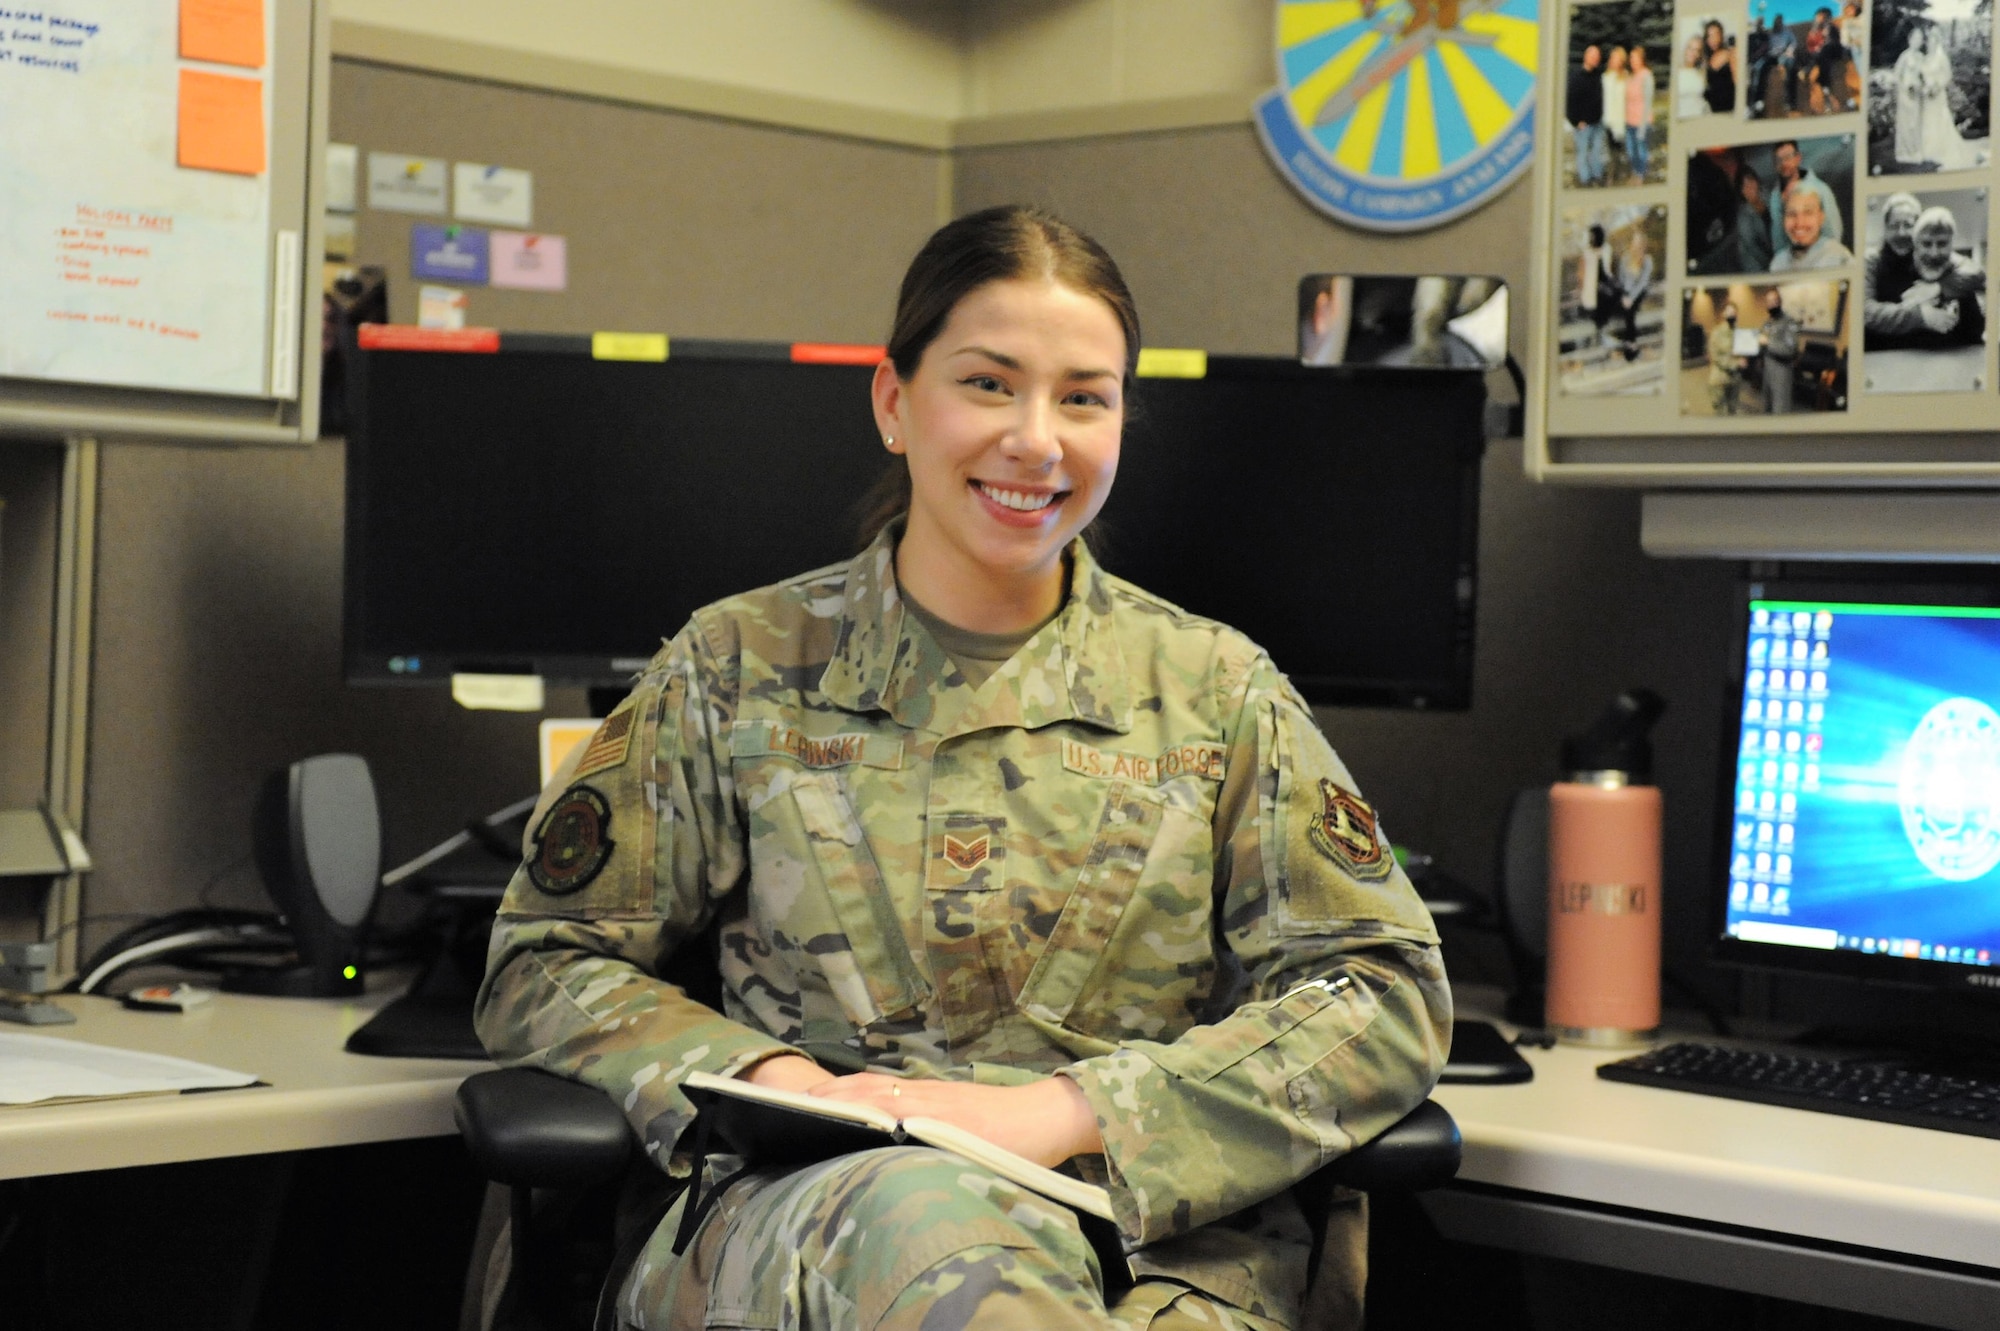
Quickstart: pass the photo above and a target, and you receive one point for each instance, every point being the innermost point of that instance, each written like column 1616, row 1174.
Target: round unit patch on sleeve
column 1344, row 831
column 573, row 842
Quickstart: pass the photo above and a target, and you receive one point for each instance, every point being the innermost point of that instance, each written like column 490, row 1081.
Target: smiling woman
column 977, row 832
column 1032, row 428
column 1010, row 425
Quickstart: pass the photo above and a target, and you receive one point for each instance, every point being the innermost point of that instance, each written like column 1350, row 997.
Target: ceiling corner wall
column 898, row 56
column 1028, row 56
column 918, row 72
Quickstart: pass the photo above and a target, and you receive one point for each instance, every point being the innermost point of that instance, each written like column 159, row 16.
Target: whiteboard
column 122, row 268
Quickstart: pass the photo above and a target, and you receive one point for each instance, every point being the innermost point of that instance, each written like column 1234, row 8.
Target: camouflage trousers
column 904, row 1237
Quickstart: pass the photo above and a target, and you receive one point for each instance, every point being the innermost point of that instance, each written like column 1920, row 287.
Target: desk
column 1847, row 1213
column 319, row 1095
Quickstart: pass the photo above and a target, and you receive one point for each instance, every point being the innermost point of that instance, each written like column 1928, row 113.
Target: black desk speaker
column 317, row 837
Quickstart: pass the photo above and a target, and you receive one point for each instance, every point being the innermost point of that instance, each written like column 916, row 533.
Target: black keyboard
column 1918, row 1099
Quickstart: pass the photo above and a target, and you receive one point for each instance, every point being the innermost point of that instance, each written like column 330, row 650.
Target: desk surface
column 319, row 1095
column 1569, row 1134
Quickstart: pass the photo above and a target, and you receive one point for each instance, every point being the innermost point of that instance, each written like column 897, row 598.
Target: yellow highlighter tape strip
column 1172, row 363
column 628, row 346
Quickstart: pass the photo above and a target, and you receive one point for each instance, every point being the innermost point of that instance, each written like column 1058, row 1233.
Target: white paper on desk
column 34, row 1068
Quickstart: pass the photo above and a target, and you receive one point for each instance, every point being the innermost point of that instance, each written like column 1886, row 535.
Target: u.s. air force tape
column 572, row 843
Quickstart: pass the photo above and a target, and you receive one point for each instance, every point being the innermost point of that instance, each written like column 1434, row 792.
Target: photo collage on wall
column 1818, row 175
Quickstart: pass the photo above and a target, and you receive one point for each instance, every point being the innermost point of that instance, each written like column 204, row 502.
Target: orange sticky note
column 228, row 32
column 222, row 123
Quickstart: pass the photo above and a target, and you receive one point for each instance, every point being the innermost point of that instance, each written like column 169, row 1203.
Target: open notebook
column 784, row 1128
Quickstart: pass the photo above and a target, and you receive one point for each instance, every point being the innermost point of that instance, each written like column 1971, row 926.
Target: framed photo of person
column 1775, row 207
column 1930, row 86
column 1923, row 311
column 1705, row 65
column 1809, row 66
column 1768, row 349
column 1617, row 93
column 1611, row 309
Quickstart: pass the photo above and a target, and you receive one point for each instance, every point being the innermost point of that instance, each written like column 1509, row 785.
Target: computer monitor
column 544, row 512
column 1861, row 832
column 534, row 510
column 1331, row 514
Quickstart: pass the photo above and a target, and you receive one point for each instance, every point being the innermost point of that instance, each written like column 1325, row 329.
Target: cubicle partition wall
column 221, row 568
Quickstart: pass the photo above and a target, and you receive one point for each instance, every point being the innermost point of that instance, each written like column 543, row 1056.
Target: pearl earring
column 888, row 441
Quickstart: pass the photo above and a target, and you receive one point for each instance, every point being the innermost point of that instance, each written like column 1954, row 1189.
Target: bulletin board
column 154, row 244
column 1763, row 247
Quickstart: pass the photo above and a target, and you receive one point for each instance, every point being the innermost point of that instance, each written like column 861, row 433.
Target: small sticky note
column 221, row 123
column 628, row 346
column 406, row 184
column 560, row 737
column 225, row 32
column 448, row 253
column 342, row 161
column 440, row 307
column 1172, row 363
column 498, row 194
column 498, row 693
column 530, row 262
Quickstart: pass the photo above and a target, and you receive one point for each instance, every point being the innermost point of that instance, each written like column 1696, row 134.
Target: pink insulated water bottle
column 1604, row 881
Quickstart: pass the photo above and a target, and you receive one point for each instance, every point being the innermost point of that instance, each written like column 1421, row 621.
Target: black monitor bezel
column 373, row 669
column 1452, row 692
column 1928, row 585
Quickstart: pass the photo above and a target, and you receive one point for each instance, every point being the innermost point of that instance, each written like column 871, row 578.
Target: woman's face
column 1916, row 39
column 1694, row 50
column 1011, row 426
column 1713, row 35
column 1617, row 59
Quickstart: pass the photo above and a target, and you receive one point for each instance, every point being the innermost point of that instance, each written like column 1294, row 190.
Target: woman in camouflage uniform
column 1045, row 855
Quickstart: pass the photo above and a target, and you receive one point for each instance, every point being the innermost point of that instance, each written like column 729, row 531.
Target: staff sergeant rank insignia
column 1345, row 832
column 571, row 845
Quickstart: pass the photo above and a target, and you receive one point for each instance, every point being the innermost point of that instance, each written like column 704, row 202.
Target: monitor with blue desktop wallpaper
column 535, row 510
column 1861, row 833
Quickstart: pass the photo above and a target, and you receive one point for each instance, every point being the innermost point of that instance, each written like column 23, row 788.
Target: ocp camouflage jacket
column 1129, row 858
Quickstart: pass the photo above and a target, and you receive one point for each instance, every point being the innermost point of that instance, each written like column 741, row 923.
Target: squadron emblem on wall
column 1397, row 115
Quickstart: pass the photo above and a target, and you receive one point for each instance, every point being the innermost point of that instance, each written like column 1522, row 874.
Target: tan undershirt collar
column 976, row 655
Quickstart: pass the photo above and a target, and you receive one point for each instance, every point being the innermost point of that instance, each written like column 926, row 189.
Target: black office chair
column 529, row 1129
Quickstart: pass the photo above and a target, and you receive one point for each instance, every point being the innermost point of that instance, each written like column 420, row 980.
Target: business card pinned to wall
column 530, row 262
column 406, row 184
column 448, row 254
column 497, row 194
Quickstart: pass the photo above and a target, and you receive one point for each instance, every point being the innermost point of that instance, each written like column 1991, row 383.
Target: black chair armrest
column 529, row 1128
column 1421, row 1151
